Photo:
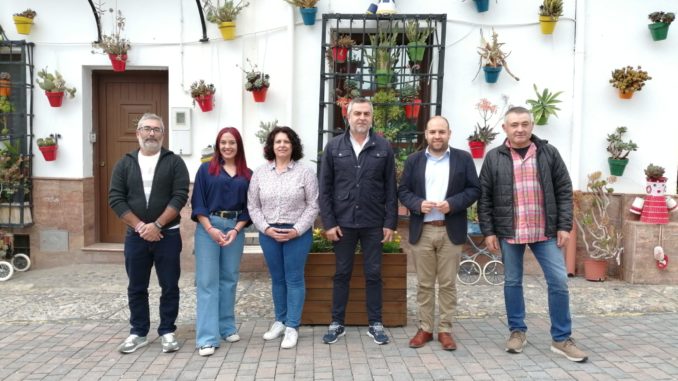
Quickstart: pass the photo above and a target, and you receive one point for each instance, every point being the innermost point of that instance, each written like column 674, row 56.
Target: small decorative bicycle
column 9, row 260
column 470, row 270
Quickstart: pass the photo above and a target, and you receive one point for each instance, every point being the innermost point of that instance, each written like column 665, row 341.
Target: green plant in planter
column 387, row 108
column 255, row 79
column 200, row 89
column 54, row 82
column 417, row 36
column 5, row 107
column 659, row 28
column 619, row 151
column 13, row 171
column 345, row 94
column 28, row 13
column 114, row 43
column 223, row 13
column 320, row 243
column 265, row 129
column 384, row 56
column 492, row 55
column 47, row 141
column 303, row 3
column 552, row 9
column 544, row 106
column 408, row 93
column 484, row 133
column 628, row 79
column 655, row 173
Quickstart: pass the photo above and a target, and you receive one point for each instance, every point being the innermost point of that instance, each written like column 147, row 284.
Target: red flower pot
column 477, row 149
column 260, row 95
column 49, row 152
column 412, row 110
column 118, row 61
column 339, row 54
column 55, row 98
column 206, row 102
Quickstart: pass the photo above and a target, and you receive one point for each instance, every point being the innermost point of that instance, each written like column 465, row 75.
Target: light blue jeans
column 550, row 258
column 286, row 262
column 217, row 270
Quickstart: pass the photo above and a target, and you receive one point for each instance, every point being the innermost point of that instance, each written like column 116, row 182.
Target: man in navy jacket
column 358, row 202
column 437, row 185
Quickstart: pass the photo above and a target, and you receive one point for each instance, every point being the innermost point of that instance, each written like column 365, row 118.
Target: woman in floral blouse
column 283, row 203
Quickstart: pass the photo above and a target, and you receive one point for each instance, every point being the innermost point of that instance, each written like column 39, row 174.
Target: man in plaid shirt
column 526, row 199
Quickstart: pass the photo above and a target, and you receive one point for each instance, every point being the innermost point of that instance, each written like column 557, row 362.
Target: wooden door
column 119, row 100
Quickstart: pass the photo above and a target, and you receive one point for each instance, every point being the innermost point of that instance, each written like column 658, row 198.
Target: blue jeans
column 286, row 262
column 140, row 256
column 344, row 251
column 550, row 258
column 217, row 270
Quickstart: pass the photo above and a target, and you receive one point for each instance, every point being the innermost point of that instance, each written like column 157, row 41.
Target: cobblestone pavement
column 65, row 323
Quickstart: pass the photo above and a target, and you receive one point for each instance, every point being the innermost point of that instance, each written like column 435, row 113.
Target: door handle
column 102, row 163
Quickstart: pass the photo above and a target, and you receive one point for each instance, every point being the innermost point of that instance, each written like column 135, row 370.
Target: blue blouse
column 217, row 193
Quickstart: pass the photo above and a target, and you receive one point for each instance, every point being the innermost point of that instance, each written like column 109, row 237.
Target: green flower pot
column 617, row 166
column 415, row 51
column 659, row 30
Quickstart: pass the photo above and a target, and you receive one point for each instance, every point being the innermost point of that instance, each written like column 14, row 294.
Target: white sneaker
column 206, row 350
column 290, row 339
column 276, row 330
column 232, row 338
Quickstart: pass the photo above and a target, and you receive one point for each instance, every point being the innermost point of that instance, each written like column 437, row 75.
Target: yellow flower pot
column 547, row 24
column 227, row 29
column 23, row 24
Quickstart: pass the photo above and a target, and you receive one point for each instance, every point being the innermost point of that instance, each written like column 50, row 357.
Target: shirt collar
column 271, row 164
column 446, row 155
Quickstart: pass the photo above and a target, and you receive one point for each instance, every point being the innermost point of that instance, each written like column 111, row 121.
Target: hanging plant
column 256, row 81
column 114, row 45
column 307, row 9
column 203, row 94
column 54, row 86
column 24, row 21
column 492, row 58
column 224, row 15
column 629, row 80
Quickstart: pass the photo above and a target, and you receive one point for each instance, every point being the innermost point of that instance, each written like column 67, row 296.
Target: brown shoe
column 421, row 338
column 446, row 341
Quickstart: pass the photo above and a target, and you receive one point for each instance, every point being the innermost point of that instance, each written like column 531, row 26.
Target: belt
column 435, row 223
column 227, row 213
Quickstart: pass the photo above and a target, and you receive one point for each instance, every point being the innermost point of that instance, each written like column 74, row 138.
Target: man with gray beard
column 149, row 186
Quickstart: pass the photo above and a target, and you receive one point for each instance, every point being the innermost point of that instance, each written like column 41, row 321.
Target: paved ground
column 65, row 323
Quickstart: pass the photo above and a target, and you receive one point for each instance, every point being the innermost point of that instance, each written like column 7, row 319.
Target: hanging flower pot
column 383, row 77
column 595, row 270
column 118, row 61
column 343, row 103
column 308, row 15
column 626, row 94
column 339, row 54
column 206, row 102
column 477, row 149
column 227, row 29
column 542, row 120
column 412, row 109
column 49, row 152
column 617, row 166
column 659, row 31
column 482, row 5
column 547, row 24
column 55, row 98
column 260, row 94
column 5, row 84
column 416, row 50
column 491, row 73
column 23, row 24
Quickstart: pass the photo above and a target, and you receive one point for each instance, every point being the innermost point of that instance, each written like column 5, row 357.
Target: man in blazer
column 437, row 185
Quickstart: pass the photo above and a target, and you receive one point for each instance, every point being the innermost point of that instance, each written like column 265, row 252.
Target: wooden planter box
column 318, row 305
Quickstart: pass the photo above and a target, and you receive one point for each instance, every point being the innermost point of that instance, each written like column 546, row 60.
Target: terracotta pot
column 227, row 29
column 477, row 149
column 5, row 88
column 260, row 95
column 55, row 98
column 118, row 61
column 49, row 152
column 206, row 102
column 412, row 109
column 595, row 270
column 626, row 95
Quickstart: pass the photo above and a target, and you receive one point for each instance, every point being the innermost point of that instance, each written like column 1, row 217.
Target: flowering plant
column 321, row 244
column 484, row 133
column 256, row 80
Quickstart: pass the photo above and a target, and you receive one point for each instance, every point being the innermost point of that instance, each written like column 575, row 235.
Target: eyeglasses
column 148, row 129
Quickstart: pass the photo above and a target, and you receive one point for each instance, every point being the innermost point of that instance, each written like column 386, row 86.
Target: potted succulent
column 224, row 15
column 619, row 151
column 257, row 82
column 629, row 80
column 387, row 111
column 344, row 95
column 203, row 94
column 48, row 146
column 5, row 107
column 659, row 28
column 5, row 84
column 549, row 12
column 24, row 21
column 492, row 58
column 307, row 9
column 483, row 134
column 115, row 46
column 409, row 95
column 13, row 180
column 54, row 86
column 544, row 106
column 340, row 48
column 601, row 238
column 384, row 56
column 416, row 37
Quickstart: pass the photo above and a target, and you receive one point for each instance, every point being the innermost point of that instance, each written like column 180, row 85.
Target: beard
column 151, row 145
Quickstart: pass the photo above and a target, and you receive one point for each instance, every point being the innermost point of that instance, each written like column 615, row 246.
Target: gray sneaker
column 516, row 342
column 169, row 343
column 132, row 343
column 568, row 349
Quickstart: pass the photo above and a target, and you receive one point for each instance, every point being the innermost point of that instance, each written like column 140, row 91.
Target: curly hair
column 297, row 148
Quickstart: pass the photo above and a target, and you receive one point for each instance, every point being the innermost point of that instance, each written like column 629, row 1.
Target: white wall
column 164, row 34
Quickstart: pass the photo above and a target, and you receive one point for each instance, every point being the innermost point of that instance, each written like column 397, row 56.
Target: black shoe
column 333, row 334
column 376, row 331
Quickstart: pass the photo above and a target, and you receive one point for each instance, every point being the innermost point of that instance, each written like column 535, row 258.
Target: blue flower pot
column 491, row 73
column 482, row 5
column 308, row 15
